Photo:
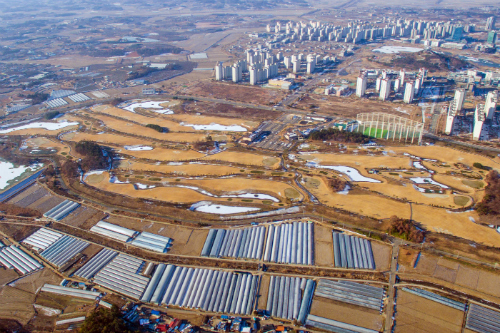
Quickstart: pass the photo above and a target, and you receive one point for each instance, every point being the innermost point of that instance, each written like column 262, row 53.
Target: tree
column 490, row 205
column 405, row 229
column 105, row 320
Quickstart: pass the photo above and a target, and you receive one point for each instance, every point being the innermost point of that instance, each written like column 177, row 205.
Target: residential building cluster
column 263, row 65
column 388, row 81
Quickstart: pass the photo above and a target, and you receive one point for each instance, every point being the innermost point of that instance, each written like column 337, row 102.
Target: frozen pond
column 217, row 127
column 427, row 180
column 9, row 172
column 223, row 210
column 44, row 125
column 138, row 148
column 396, row 49
column 352, row 173
column 155, row 106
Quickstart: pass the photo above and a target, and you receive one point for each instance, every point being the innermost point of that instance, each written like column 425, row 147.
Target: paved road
column 392, row 281
column 465, row 144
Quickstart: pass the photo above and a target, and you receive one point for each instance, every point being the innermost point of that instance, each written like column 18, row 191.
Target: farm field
column 452, row 272
column 347, row 313
column 417, row 314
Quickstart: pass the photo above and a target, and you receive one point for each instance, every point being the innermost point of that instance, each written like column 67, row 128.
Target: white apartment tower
column 296, row 66
column 253, row 75
column 311, row 66
column 219, row 71
column 491, row 104
column 361, row 85
column 385, row 89
column 450, row 118
column 409, row 92
column 479, row 118
column 459, row 99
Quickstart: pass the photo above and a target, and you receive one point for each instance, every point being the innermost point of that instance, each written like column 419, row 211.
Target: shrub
column 157, row 128
column 51, row 115
column 490, row 205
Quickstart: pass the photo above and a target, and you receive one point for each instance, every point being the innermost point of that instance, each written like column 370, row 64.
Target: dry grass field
column 106, row 138
column 181, row 170
column 247, row 94
column 417, row 314
column 452, row 272
column 163, row 154
column 347, row 313
column 187, row 195
column 246, row 159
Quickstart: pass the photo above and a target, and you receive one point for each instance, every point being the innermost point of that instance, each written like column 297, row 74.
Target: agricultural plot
column 453, row 272
column 418, row 314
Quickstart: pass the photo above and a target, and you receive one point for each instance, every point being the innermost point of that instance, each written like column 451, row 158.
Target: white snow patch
column 138, row 148
column 217, row 127
column 427, row 180
column 352, row 173
column 44, row 125
column 140, row 186
column 155, row 106
column 9, row 172
column 397, row 49
column 223, row 210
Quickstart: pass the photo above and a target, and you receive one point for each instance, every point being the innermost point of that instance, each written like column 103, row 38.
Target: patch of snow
column 217, row 127
column 9, row 172
column 44, row 125
column 427, row 180
column 352, row 173
column 140, row 186
column 397, row 49
column 223, row 210
column 345, row 190
column 135, row 148
column 155, row 106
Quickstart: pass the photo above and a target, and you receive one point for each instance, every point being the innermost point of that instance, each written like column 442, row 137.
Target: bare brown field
column 106, row 138
column 185, row 169
column 382, row 255
column 350, row 106
column 449, row 155
column 247, row 94
column 452, row 272
column 431, row 218
column 264, row 290
column 163, row 154
column 237, row 184
column 134, row 129
column 411, row 194
column 323, row 242
column 361, row 162
column 417, row 314
column 245, row 158
column 347, row 313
